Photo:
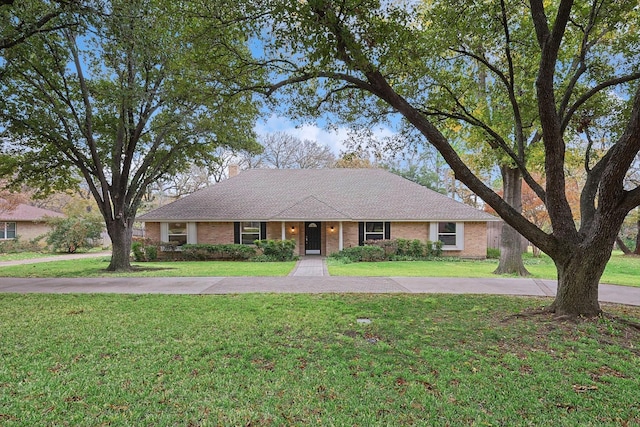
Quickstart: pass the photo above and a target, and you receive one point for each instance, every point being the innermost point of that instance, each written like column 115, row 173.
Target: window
column 373, row 230
column 451, row 234
column 7, row 230
column 249, row 232
column 177, row 233
column 447, row 233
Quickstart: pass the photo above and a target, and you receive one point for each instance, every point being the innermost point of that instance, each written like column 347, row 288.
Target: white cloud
column 334, row 138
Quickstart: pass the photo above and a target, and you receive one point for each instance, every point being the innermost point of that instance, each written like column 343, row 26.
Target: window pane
column 374, row 236
column 249, row 238
column 177, row 228
column 178, row 239
column 447, row 239
column 11, row 230
column 446, row 227
column 2, row 228
column 251, row 227
column 374, row 227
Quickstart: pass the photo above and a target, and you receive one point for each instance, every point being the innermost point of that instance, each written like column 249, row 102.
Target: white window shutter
column 460, row 236
column 164, row 232
column 192, row 233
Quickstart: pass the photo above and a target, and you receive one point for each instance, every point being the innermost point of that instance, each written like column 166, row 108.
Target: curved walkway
column 307, row 277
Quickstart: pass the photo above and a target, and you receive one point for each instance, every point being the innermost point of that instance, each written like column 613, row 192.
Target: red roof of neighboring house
column 26, row 213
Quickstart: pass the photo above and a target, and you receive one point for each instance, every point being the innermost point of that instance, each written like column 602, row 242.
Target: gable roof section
column 316, row 194
column 24, row 212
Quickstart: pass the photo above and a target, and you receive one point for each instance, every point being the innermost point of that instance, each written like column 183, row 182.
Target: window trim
column 4, row 225
column 238, row 234
column 191, row 232
column 434, row 235
column 252, row 233
column 381, row 233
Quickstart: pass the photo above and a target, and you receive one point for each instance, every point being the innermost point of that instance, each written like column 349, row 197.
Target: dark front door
column 312, row 238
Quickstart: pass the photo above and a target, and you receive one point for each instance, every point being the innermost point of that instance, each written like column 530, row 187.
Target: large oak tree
column 360, row 57
column 130, row 95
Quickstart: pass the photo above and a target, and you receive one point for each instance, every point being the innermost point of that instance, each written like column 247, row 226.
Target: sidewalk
column 309, row 276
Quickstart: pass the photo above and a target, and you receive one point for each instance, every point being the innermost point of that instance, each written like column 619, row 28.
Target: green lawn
column 25, row 255
column 95, row 267
column 270, row 360
column 621, row 270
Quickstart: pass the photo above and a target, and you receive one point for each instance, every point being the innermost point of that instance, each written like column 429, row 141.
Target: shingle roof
column 24, row 212
column 316, row 194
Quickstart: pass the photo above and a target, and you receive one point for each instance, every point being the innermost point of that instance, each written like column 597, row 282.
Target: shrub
column 493, row 253
column 277, row 250
column 17, row 246
column 394, row 250
column 72, row 233
column 204, row 252
column 362, row 253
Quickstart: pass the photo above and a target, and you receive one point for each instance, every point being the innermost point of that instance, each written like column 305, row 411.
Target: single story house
column 323, row 210
column 24, row 221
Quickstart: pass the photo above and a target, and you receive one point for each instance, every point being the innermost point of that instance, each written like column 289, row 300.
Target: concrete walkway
column 309, row 276
column 58, row 257
column 310, row 266
column 299, row 284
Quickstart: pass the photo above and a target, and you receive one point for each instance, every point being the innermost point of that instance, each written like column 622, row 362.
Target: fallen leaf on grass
column 584, row 388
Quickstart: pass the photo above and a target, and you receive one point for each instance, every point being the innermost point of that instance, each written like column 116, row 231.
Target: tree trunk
column 622, row 246
column 511, row 240
column 120, row 233
column 637, row 249
column 579, row 274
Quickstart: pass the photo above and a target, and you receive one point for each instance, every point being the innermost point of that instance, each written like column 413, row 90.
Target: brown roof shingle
column 24, row 212
column 316, row 194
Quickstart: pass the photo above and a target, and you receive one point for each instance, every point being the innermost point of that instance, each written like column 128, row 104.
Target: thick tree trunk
column 120, row 233
column 511, row 240
column 578, row 277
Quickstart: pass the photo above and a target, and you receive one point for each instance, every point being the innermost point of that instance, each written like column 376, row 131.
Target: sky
column 333, row 138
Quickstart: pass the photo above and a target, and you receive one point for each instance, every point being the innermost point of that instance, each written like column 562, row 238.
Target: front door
column 312, row 238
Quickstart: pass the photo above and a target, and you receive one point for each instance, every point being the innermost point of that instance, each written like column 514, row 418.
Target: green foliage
column 276, row 250
column 16, row 246
column 205, row 252
column 144, row 250
column 361, row 253
column 73, row 233
column 394, row 250
column 493, row 253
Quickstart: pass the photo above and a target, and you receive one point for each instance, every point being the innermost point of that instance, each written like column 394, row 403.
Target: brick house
column 24, row 221
column 323, row 210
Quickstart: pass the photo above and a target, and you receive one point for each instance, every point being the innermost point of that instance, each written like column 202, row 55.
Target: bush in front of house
column 391, row 250
column 144, row 250
column 361, row 254
column 17, row 245
column 275, row 250
column 493, row 253
column 73, row 233
column 206, row 252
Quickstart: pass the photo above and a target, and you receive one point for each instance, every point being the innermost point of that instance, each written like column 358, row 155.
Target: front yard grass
column 95, row 267
column 621, row 270
column 269, row 360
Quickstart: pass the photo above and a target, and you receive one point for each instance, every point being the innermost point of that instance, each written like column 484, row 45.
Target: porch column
column 340, row 239
column 284, row 234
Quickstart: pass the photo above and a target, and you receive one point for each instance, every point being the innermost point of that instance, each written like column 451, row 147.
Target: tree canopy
column 556, row 67
column 135, row 92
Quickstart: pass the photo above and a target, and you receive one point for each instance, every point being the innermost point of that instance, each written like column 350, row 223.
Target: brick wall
column 475, row 241
column 215, row 233
column 152, row 231
column 410, row 230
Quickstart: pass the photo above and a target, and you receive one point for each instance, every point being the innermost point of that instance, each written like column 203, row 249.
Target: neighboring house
column 323, row 210
column 24, row 221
